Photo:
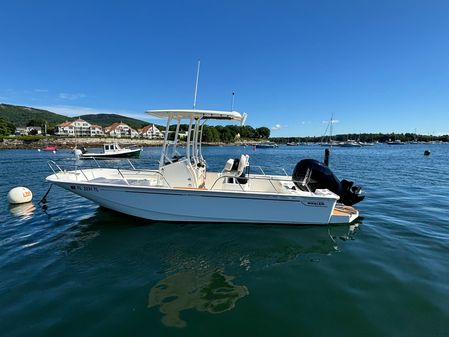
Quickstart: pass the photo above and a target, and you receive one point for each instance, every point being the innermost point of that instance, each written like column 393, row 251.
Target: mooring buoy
column 19, row 195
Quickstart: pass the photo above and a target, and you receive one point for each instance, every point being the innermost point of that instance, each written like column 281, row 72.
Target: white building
column 151, row 132
column 96, row 130
column 29, row 130
column 78, row 128
column 120, row 130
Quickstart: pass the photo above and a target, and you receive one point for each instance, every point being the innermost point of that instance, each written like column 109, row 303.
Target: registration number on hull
column 84, row 188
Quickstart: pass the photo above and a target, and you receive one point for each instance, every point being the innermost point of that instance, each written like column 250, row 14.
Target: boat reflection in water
column 23, row 211
column 196, row 278
column 210, row 291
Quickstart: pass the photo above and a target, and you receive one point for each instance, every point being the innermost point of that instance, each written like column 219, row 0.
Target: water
column 75, row 269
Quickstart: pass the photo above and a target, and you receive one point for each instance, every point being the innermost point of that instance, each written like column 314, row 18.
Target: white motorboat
column 350, row 143
column 110, row 151
column 182, row 189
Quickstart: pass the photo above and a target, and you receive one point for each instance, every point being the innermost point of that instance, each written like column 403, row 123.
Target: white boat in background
column 182, row 189
column 266, row 145
column 395, row 142
column 350, row 143
column 110, row 151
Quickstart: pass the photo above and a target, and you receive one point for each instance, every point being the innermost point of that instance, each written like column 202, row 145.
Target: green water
column 75, row 269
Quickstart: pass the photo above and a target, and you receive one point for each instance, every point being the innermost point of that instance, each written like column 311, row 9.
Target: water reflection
column 23, row 211
column 210, row 291
column 196, row 270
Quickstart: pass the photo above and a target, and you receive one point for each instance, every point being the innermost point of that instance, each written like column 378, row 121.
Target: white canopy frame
column 194, row 133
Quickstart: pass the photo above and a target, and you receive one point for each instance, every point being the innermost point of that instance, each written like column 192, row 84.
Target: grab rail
column 55, row 168
column 267, row 178
column 263, row 172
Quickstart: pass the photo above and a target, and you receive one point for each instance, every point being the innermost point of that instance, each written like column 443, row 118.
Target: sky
column 376, row 66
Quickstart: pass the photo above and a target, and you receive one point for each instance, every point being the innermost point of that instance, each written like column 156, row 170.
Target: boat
column 349, row 143
column 110, row 151
column 292, row 144
column 182, row 189
column 50, row 148
column 395, row 142
column 266, row 145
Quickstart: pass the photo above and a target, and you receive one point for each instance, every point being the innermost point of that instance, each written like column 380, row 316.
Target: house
column 151, row 132
column 28, row 130
column 76, row 128
column 96, row 130
column 34, row 130
column 120, row 130
column 20, row 131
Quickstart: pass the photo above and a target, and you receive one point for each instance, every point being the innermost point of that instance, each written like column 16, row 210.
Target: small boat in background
column 292, row 144
column 395, row 142
column 266, row 145
column 49, row 148
column 349, row 143
column 110, row 151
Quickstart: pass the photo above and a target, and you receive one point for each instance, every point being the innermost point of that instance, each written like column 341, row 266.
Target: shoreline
column 70, row 143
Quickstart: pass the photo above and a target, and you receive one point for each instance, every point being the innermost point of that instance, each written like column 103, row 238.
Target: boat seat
column 228, row 166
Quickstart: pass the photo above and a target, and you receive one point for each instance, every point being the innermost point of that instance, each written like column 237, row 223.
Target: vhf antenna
column 196, row 84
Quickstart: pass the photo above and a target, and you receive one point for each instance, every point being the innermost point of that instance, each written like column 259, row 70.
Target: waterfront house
column 151, row 132
column 120, row 130
column 78, row 128
column 96, row 131
column 29, row 130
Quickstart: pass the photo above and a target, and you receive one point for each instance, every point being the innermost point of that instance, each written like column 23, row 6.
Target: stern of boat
column 342, row 214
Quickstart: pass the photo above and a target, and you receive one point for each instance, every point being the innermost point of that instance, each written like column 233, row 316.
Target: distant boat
column 292, row 144
column 50, row 148
column 266, row 145
column 350, row 143
column 110, row 151
column 395, row 142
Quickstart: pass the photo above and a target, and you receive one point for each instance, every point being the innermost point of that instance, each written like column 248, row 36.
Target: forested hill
column 108, row 119
column 23, row 115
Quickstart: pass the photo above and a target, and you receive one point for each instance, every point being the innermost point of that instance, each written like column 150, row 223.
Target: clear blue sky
column 378, row 66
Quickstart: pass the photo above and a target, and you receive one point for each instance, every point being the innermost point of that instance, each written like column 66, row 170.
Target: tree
column 263, row 132
column 6, row 127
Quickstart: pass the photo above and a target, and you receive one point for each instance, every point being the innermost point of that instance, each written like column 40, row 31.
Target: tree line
column 228, row 133
column 365, row 137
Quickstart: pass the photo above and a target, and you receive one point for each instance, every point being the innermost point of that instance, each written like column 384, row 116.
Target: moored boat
column 50, row 148
column 395, row 142
column 266, row 145
column 110, row 151
column 182, row 189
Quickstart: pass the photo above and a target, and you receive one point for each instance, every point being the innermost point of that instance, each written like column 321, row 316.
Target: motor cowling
column 321, row 177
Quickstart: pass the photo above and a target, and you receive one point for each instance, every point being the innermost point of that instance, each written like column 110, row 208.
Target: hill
column 108, row 119
column 22, row 115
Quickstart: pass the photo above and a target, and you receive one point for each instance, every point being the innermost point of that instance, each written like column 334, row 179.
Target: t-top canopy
column 198, row 114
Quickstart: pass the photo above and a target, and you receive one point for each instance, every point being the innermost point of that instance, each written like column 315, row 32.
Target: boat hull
column 196, row 205
column 128, row 154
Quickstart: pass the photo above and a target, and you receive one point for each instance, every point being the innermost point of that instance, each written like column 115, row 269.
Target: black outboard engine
column 320, row 176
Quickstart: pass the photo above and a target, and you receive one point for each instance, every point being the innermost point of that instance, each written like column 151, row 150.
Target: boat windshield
column 179, row 145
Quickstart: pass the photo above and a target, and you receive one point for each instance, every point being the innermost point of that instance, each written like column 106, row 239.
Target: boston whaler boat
column 182, row 189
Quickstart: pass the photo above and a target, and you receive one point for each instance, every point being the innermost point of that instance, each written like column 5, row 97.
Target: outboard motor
column 321, row 177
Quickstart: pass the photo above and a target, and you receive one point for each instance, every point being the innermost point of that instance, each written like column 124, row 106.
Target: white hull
column 198, row 205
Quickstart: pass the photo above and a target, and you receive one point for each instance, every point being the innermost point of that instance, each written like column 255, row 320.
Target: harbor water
column 71, row 268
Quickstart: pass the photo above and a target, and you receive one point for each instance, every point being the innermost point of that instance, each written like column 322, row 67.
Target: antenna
column 196, row 84
column 331, row 125
column 232, row 104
